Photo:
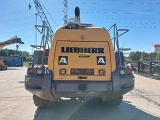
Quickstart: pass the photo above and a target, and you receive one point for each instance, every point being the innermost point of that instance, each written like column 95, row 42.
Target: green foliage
column 26, row 64
column 144, row 56
column 153, row 55
column 135, row 56
column 127, row 59
column 158, row 56
column 9, row 52
column 138, row 56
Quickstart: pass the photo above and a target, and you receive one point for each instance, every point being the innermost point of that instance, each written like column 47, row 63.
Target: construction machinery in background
column 10, row 41
column 2, row 65
column 13, row 40
column 42, row 50
column 45, row 29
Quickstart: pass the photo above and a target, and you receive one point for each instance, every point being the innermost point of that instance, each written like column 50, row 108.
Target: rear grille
column 77, row 71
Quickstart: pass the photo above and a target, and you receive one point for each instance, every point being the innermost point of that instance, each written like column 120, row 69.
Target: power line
column 16, row 19
column 16, row 31
column 120, row 13
column 17, row 27
column 50, row 15
column 14, row 13
column 119, row 18
column 117, row 3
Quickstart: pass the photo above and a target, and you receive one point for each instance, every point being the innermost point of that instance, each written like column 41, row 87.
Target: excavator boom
column 10, row 41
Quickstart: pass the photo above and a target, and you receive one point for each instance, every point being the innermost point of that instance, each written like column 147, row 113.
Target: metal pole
column 65, row 3
column 150, row 68
column 36, row 30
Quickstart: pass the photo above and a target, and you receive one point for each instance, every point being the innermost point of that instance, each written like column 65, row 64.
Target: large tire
column 41, row 103
column 113, row 102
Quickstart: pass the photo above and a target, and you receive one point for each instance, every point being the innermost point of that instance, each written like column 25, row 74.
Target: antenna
column 65, row 3
column 123, row 45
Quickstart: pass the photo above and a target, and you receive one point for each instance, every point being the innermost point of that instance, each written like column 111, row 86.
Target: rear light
column 39, row 71
column 128, row 71
column 102, row 72
column 31, row 70
column 62, row 71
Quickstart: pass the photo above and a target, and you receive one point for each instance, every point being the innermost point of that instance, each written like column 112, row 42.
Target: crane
column 45, row 29
column 40, row 56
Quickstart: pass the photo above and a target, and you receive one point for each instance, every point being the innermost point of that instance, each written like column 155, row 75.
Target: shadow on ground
column 21, row 82
column 68, row 111
column 13, row 68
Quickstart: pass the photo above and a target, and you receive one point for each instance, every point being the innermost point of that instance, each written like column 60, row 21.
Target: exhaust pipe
column 77, row 14
column 73, row 23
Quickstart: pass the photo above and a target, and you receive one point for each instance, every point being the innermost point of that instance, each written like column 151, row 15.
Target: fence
column 149, row 68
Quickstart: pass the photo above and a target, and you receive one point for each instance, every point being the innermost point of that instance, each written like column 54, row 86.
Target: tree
column 158, row 56
column 10, row 52
column 152, row 55
column 135, row 56
column 144, row 56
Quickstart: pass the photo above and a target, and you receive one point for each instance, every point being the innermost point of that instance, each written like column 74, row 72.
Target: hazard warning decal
column 63, row 60
column 101, row 60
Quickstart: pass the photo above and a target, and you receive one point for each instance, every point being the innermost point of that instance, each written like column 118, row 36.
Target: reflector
column 31, row 70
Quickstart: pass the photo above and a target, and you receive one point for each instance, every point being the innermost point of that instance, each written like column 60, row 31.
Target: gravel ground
column 143, row 103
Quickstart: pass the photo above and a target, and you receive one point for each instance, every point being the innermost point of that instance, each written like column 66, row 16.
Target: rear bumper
column 80, row 89
column 46, row 88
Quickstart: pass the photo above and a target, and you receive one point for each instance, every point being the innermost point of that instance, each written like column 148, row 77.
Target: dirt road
column 143, row 103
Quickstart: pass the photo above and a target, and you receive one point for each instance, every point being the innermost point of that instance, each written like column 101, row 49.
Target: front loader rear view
column 81, row 63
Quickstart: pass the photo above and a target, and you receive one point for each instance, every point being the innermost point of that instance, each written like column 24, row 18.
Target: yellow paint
column 82, row 54
column 1, row 62
column 94, row 38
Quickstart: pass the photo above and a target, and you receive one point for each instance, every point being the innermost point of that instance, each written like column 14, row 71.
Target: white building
column 156, row 48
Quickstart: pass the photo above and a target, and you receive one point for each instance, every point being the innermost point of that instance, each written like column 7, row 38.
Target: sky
column 142, row 19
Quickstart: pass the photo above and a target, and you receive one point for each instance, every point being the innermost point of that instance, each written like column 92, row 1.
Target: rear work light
column 102, row 72
column 39, row 71
column 122, row 72
column 62, row 71
column 31, row 70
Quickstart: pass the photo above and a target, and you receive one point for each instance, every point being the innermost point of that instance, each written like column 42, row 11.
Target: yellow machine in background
column 1, row 61
column 10, row 41
column 2, row 66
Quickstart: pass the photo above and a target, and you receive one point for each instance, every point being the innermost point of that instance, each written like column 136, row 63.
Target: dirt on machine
column 13, row 40
column 81, row 63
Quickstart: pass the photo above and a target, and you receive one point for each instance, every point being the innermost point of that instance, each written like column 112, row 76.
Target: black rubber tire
column 113, row 102
column 41, row 103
